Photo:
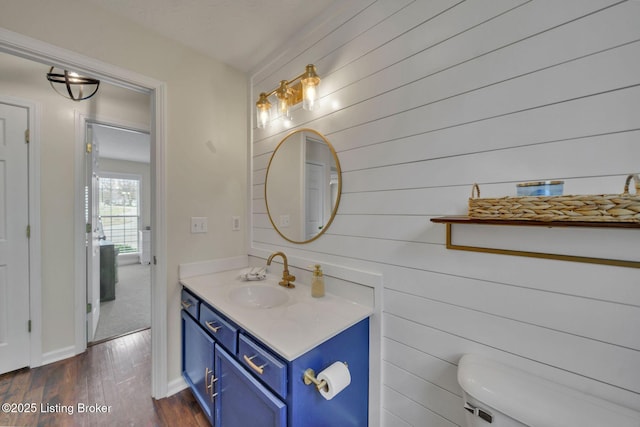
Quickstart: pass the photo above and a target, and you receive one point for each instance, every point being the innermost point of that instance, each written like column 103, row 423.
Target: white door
column 93, row 232
column 14, row 242
column 314, row 199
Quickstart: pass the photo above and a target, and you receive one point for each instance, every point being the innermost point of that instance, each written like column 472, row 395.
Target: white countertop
column 290, row 329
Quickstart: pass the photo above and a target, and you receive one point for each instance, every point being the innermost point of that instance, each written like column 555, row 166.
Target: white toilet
column 496, row 395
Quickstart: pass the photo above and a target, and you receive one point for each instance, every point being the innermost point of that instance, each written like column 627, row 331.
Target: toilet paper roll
column 337, row 377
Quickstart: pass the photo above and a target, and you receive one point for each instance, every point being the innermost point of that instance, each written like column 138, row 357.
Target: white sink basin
column 258, row 296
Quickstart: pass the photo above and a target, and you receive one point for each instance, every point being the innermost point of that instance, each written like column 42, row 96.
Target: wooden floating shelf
column 462, row 219
column 450, row 221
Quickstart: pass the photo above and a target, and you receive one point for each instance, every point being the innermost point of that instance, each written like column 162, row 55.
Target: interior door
column 198, row 364
column 314, row 199
column 94, row 229
column 14, row 241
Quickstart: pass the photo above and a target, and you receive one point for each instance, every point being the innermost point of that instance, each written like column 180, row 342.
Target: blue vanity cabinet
column 198, row 364
column 241, row 382
column 242, row 400
column 226, row 391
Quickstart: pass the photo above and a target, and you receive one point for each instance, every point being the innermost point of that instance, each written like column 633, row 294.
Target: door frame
column 39, row 51
column 34, row 111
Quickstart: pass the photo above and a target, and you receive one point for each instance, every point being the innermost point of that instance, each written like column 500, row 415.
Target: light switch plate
column 235, row 223
column 198, row 224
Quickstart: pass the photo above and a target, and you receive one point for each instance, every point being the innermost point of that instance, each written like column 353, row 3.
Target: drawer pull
column 206, row 378
column 258, row 369
column 186, row 304
column 207, row 371
column 211, row 327
column 208, row 383
column 210, row 387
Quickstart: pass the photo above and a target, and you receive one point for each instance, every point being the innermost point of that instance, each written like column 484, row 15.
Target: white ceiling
column 237, row 32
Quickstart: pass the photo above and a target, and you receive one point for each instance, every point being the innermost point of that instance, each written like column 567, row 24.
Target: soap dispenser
column 317, row 284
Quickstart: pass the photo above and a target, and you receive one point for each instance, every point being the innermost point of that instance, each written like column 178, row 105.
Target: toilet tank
column 497, row 395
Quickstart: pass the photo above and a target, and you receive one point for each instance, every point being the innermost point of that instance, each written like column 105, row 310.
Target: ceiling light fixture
column 289, row 93
column 73, row 83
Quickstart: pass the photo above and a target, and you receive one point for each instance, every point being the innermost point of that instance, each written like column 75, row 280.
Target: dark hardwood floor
column 113, row 376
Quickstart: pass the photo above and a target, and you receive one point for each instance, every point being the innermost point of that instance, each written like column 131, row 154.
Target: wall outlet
column 235, row 223
column 198, row 224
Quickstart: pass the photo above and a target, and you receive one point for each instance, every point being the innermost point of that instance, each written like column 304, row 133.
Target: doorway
column 118, row 183
column 45, row 53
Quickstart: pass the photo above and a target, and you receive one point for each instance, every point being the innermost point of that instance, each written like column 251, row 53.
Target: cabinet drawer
column 190, row 303
column 265, row 365
column 224, row 332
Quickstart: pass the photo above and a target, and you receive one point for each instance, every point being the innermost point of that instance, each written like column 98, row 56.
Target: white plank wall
column 423, row 98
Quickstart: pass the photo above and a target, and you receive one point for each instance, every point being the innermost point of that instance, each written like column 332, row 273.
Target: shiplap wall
column 423, row 98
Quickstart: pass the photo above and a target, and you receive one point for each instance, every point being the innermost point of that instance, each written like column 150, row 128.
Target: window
column 119, row 210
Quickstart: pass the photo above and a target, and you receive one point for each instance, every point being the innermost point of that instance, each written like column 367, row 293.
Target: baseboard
column 176, row 386
column 58, row 355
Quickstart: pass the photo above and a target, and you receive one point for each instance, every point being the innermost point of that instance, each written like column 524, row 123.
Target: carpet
column 131, row 310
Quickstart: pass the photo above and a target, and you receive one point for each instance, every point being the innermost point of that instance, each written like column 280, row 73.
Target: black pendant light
column 71, row 85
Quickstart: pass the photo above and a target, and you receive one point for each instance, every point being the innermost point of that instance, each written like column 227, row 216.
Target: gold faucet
column 286, row 277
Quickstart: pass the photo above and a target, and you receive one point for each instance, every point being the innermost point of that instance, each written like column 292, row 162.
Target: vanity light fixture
column 73, row 83
column 289, row 93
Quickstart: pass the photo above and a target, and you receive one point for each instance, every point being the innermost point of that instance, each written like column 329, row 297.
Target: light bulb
column 310, row 82
column 309, row 98
column 263, row 118
column 283, row 108
column 263, row 111
column 283, row 95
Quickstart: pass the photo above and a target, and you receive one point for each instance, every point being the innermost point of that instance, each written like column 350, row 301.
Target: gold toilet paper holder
column 309, row 378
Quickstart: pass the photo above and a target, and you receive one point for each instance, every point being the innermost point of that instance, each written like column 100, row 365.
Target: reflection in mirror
column 303, row 185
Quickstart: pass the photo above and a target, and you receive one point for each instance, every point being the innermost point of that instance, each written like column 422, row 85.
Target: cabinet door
column 241, row 400
column 197, row 363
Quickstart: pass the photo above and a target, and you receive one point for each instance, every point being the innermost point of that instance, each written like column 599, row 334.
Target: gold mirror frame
column 317, row 137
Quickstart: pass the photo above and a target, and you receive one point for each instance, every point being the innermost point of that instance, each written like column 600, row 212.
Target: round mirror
column 303, row 185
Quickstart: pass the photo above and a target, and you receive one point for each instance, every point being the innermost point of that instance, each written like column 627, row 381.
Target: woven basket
column 623, row 207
